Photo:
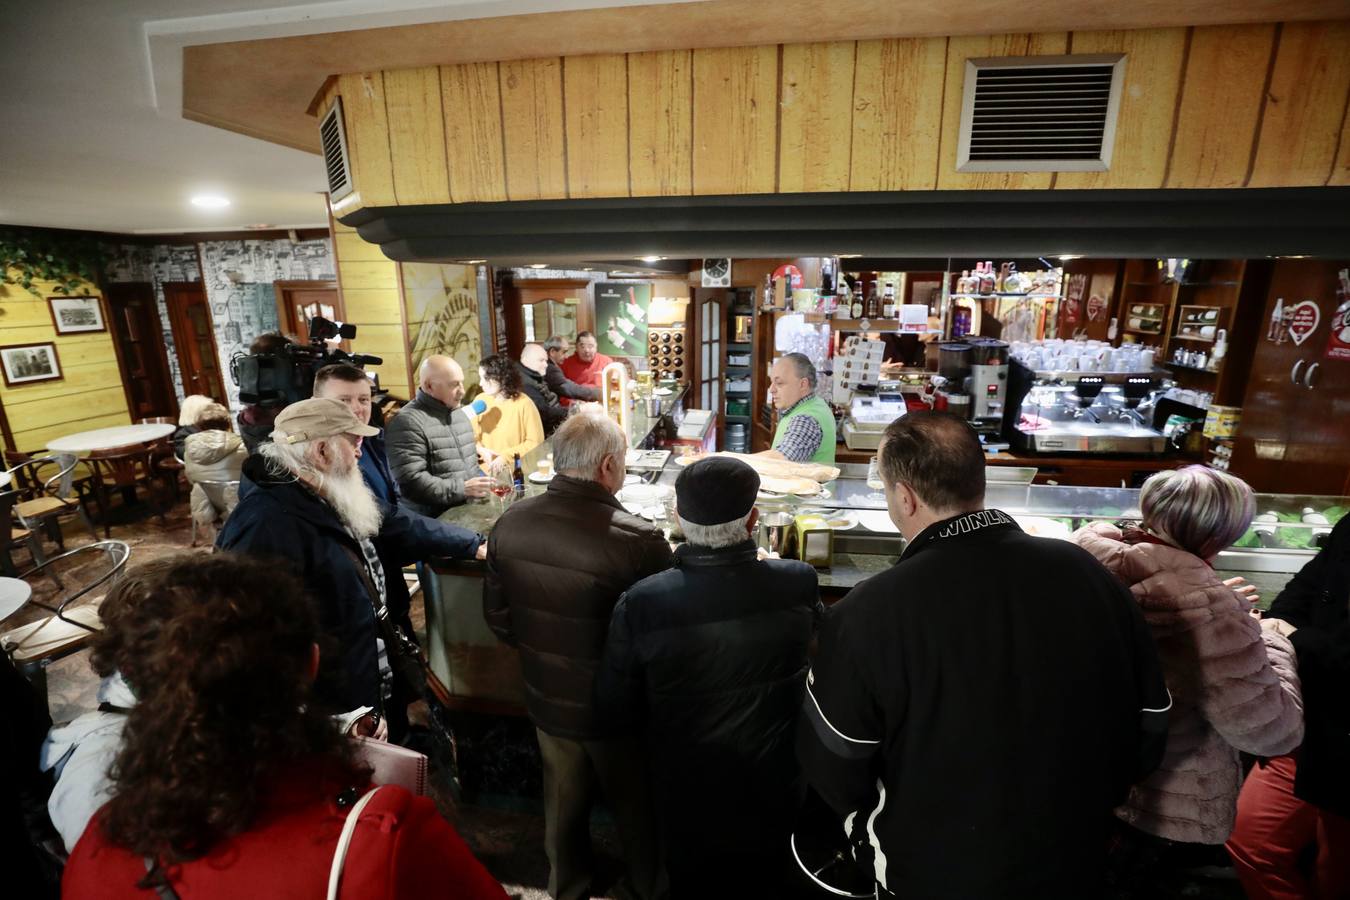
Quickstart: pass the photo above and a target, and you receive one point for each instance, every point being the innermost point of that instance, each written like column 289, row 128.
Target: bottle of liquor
column 518, row 477
column 768, row 292
column 963, row 283
column 987, row 277
column 840, row 307
column 856, row 308
column 873, row 308
column 888, row 302
column 826, row 276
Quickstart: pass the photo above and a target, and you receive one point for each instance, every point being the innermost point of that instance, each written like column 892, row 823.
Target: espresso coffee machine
column 987, row 383
column 1083, row 412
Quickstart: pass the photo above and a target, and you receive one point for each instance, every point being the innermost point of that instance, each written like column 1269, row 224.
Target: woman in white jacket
column 213, row 456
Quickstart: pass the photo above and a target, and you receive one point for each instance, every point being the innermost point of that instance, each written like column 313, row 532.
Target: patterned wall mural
column 238, row 279
column 442, row 314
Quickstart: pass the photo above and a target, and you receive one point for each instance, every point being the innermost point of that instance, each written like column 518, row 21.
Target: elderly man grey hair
column 726, row 534
column 332, row 476
column 591, row 447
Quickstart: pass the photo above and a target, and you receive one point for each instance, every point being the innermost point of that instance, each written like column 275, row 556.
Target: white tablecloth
column 107, row 438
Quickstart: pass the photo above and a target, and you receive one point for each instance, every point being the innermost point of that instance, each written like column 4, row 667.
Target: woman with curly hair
column 231, row 780
column 1233, row 683
column 510, row 425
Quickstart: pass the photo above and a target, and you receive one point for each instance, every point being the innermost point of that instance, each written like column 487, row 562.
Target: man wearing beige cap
column 312, row 512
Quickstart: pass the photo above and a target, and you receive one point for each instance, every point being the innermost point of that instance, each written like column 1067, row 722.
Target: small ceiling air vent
column 334, row 138
column 1040, row 113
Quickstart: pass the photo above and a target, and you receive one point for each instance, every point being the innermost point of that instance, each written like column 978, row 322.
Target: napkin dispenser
column 813, row 540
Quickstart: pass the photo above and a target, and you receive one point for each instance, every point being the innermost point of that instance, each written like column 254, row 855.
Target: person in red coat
column 584, row 366
column 231, row 780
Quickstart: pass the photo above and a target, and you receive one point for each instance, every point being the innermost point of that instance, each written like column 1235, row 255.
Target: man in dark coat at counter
column 533, row 369
column 709, row 658
column 557, row 564
column 976, row 711
column 1288, row 805
column 566, row 389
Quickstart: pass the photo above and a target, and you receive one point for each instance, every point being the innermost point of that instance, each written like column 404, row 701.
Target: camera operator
column 256, row 419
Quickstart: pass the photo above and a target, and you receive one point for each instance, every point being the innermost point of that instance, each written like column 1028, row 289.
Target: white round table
column 108, row 438
column 14, row 593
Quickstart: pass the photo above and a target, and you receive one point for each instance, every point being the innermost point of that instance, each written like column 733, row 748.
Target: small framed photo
column 76, row 315
column 26, row 363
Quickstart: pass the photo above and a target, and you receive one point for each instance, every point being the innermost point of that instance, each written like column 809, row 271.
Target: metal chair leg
column 88, row 523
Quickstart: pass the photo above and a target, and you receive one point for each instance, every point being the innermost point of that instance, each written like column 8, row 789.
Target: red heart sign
column 1304, row 318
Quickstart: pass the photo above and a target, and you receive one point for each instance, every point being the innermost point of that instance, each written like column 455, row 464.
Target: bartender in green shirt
column 806, row 423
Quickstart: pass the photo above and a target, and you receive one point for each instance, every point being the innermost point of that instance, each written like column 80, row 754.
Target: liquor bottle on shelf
column 768, row 292
column 963, row 283
column 888, row 302
column 987, row 278
column 840, row 307
column 826, row 277
column 856, row 307
column 873, row 307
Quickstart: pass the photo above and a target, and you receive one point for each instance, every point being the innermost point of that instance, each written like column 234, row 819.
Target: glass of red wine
column 502, row 488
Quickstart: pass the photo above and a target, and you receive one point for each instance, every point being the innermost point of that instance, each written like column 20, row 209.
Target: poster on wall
column 442, row 311
column 26, row 363
column 76, row 315
column 621, row 318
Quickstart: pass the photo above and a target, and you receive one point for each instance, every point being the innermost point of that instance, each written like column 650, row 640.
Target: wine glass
column 874, row 480
column 502, row 488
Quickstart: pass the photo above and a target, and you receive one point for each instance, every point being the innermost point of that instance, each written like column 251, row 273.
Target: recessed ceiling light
column 1068, row 256
column 650, row 259
column 849, row 255
column 538, row 265
column 472, row 262
column 210, row 201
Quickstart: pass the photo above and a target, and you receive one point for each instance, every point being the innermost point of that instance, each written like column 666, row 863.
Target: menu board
column 621, row 318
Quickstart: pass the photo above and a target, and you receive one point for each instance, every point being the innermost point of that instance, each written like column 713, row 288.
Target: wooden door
column 300, row 301
column 536, row 310
column 1295, row 427
column 138, row 338
column 194, row 338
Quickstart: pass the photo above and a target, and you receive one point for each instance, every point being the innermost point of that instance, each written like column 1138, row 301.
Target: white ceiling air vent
column 1040, row 113
column 334, row 138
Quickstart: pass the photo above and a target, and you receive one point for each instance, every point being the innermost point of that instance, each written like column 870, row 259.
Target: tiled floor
column 505, row 830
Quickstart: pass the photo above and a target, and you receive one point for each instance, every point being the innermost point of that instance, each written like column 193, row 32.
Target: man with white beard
column 311, row 510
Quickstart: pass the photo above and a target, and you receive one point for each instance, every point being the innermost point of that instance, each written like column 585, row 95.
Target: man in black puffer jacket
column 533, row 364
column 710, row 659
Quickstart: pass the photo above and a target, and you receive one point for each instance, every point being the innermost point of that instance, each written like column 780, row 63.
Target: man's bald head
column 534, row 358
column 442, row 378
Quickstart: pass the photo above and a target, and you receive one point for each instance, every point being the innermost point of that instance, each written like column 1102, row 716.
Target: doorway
column 537, row 309
column 193, row 336
column 138, row 340
column 300, row 301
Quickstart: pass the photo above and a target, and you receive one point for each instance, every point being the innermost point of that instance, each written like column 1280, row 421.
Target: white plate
column 540, row 477
column 848, row 517
column 643, row 494
column 632, row 479
column 876, row 520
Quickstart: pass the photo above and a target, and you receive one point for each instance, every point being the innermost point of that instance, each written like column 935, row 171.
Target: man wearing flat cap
column 311, row 511
column 708, row 659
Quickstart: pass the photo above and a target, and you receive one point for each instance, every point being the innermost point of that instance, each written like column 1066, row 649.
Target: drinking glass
column 874, row 480
column 502, row 488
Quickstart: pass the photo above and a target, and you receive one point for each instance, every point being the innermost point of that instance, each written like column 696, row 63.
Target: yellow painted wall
column 89, row 394
column 1213, row 106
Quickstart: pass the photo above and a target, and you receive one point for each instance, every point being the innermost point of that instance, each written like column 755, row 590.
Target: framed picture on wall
column 26, row 363
column 76, row 315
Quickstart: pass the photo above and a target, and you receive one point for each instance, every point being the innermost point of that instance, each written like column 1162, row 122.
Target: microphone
column 475, row 409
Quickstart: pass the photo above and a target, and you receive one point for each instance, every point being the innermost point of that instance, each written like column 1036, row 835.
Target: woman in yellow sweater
column 511, row 422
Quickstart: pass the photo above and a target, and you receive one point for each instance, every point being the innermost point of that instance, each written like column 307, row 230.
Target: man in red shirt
column 584, row 366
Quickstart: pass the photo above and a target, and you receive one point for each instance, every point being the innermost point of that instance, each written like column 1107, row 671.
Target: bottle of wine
column 888, row 302
column 856, row 307
column 518, row 477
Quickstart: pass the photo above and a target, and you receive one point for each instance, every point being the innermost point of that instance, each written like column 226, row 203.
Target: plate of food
column 540, row 477
column 799, row 487
column 838, row 519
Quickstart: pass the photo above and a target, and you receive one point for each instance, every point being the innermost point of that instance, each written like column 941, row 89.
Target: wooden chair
column 11, row 536
column 33, row 647
column 81, row 484
column 42, row 504
column 124, row 469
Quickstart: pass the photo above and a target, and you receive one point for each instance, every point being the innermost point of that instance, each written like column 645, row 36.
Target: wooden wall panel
column 88, row 395
column 1305, row 105
column 412, row 99
column 371, row 306
column 532, row 125
column 367, row 126
column 897, row 114
column 349, row 247
column 360, row 276
column 1148, row 102
column 1340, row 174
column 472, row 109
column 735, row 120
column 660, row 123
column 960, row 49
column 1221, row 98
column 814, row 142
column 595, row 100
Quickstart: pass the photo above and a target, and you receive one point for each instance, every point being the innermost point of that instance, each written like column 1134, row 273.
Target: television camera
column 287, row 376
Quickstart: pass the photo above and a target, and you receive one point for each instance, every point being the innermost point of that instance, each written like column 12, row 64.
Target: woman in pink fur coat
column 1234, row 685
